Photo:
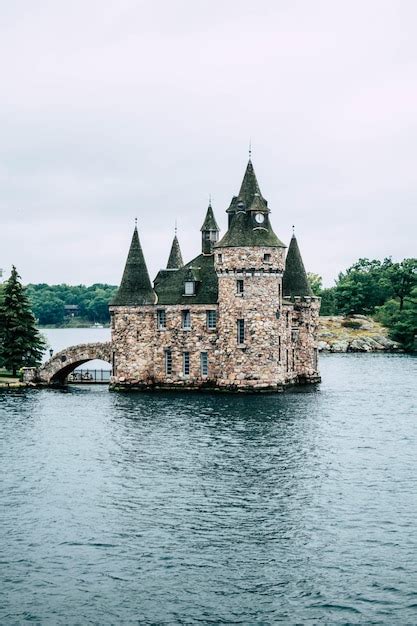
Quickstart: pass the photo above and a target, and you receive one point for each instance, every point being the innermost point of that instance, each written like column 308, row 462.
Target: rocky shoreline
column 357, row 333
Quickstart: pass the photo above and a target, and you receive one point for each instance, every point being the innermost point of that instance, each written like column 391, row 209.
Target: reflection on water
column 294, row 507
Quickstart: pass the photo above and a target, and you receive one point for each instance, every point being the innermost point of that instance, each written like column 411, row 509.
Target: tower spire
column 295, row 281
column 175, row 257
column 135, row 288
column 209, row 231
column 249, row 186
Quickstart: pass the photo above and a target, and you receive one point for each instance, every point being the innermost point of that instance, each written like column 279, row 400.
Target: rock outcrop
column 354, row 334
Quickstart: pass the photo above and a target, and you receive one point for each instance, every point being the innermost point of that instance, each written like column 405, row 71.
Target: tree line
column 383, row 289
column 49, row 302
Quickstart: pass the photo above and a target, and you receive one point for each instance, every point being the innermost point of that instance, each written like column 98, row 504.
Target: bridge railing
column 89, row 376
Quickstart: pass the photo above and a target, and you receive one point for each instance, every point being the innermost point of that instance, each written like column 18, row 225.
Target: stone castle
column 239, row 317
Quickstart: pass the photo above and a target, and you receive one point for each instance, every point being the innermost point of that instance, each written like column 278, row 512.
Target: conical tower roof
column 295, row 281
column 175, row 257
column 249, row 186
column 135, row 288
column 210, row 221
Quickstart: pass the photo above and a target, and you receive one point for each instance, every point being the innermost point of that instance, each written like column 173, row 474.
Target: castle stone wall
column 139, row 346
column 278, row 348
column 241, row 259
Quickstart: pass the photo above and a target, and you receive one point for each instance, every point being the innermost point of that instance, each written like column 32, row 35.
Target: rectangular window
column 279, row 349
column 241, row 331
column 279, row 292
column 160, row 319
column 211, row 320
column 267, row 258
column 186, row 363
column 288, row 361
column 239, row 286
column 186, row 320
column 315, row 358
column 168, row 361
column 189, row 288
column 293, row 358
column 219, row 258
column 112, row 321
column 204, row 363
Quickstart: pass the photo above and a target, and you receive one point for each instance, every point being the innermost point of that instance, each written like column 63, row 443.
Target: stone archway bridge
column 57, row 369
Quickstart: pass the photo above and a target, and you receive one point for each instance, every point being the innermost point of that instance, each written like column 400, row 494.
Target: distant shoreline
column 71, row 326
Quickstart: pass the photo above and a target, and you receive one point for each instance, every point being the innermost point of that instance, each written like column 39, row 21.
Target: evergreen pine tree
column 21, row 344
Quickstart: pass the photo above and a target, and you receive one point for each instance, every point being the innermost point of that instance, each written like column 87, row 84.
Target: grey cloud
column 112, row 110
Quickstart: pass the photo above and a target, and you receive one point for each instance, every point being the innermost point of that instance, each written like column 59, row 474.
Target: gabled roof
column 295, row 281
column 210, row 221
column 175, row 257
column 135, row 288
column 169, row 285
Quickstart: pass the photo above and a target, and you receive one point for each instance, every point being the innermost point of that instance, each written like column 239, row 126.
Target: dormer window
column 189, row 288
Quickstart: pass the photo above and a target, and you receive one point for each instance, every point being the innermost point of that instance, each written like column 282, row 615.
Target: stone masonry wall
column 240, row 259
column 139, row 345
column 304, row 336
column 258, row 362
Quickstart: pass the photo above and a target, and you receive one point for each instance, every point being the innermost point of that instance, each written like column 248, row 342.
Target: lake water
column 173, row 508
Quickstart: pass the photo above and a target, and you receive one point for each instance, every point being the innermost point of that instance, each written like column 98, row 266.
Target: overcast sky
column 115, row 109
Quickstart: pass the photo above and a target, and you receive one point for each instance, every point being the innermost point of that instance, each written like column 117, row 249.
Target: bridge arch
column 64, row 362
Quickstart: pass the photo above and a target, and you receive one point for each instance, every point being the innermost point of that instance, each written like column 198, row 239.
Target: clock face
column 260, row 218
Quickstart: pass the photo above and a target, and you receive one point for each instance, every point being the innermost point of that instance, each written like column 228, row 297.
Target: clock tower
column 249, row 261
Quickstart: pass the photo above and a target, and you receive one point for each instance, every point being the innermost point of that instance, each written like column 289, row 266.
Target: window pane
column 168, row 361
column 204, row 363
column 211, row 319
column 186, row 319
column 161, row 318
column 239, row 286
column 189, row 288
column 241, row 331
column 186, row 363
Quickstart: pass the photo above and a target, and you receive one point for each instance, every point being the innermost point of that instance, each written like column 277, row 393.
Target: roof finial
column 136, row 222
column 293, row 230
column 209, row 199
column 250, row 149
column 175, row 228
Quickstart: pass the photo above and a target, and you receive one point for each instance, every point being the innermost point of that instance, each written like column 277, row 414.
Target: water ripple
column 163, row 508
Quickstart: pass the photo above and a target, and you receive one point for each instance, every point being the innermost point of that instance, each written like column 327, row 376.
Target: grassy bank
column 7, row 380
